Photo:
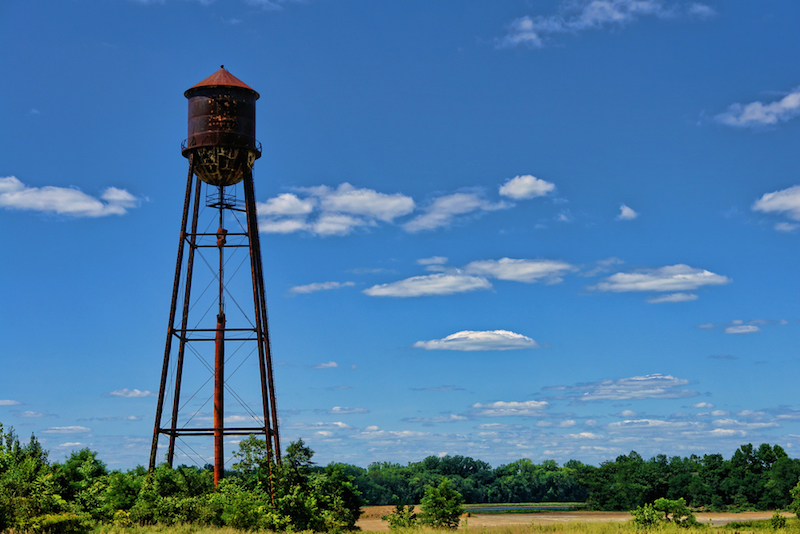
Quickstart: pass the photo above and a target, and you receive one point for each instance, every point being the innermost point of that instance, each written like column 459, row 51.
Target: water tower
column 211, row 322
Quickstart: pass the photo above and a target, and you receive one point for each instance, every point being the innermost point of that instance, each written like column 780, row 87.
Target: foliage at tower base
column 71, row 498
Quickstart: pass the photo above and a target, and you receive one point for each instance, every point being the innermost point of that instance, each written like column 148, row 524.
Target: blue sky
column 545, row 229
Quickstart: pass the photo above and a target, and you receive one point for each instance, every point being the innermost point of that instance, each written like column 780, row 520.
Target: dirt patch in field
column 371, row 518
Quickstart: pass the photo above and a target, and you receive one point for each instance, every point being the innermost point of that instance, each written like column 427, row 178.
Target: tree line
column 73, row 495
column 753, row 478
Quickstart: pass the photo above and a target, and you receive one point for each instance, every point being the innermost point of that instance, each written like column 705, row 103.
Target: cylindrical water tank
column 222, row 128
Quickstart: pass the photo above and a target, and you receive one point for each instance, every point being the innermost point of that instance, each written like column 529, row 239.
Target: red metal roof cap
column 221, row 78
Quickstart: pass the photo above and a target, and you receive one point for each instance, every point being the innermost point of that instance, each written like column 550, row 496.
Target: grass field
column 585, row 522
column 744, row 525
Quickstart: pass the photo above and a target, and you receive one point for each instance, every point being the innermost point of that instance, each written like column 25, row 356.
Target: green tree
column 441, row 506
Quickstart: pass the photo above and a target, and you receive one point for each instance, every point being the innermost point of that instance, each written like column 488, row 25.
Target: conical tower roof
column 221, row 78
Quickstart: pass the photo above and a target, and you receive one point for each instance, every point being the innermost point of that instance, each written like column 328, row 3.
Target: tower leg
column 173, row 306
column 219, row 407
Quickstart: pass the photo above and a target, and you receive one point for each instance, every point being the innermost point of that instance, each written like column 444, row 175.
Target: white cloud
column 63, row 200
column 507, row 409
column 742, row 329
column 364, row 202
column 527, row 186
column 132, row 393
column 645, row 425
column 9, row 402
column 338, row 224
column 71, row 444
column 432, row 284
column 329, row 211
column 444, row 210
column 319, row 286
column 529, row 271
column 452, row 418
column 701, row 405
column 673, row 297
column 759, row 115
column 32, row 414
column 733, row 423
column 67, row 430
column 584, row 15
column 786, row 227
column 670, row 278
column 435, row 260
column 703, row 11
column 655, row 386
column 267, row 5
column 328, row 365
column 340, row 410
column 286, row 204
column 626, row 213
column 469, row 340
column 282, row 226
column 785, row 201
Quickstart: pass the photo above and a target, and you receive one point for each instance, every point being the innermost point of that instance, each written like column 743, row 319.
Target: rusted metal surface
column 172, row 308
column 219, row 399
column 222, row 78
column 222, row 129
column 221, row 152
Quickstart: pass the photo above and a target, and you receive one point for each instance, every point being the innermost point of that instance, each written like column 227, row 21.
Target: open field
column 371, row 518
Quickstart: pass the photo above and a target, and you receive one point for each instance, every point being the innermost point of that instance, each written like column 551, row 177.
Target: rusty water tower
column 221, row 149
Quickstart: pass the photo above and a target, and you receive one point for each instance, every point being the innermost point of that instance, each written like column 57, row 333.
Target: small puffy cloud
column 327, row 211
column 527, row 186
column 655, row 386
column 439, row 388
column 282, row 226
column 9, row 402
column 328, row 365
column 758, row 115
column 591, row 15
column 603, row 266
column 363, row 202
column 508, row 409
column 435, row 260
column 742, row 329
column 319, row 286
column 432, row 284
column 267, row 5
column 132, row 393
column 733, row 423
column 702, row 11
column 67, row 430
column 785, row 202
column 671, row 278
column 703, row 405
column 338, row 224
column 286, row 204
column 469, row 340
column 29, row 413
column 71, row 445
column 444, row 210
column 786, row 227
column 673, row 297
column 64, row 200
column 528, row 271
column 452, row 418
column 341, row 410
column 626, row 213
